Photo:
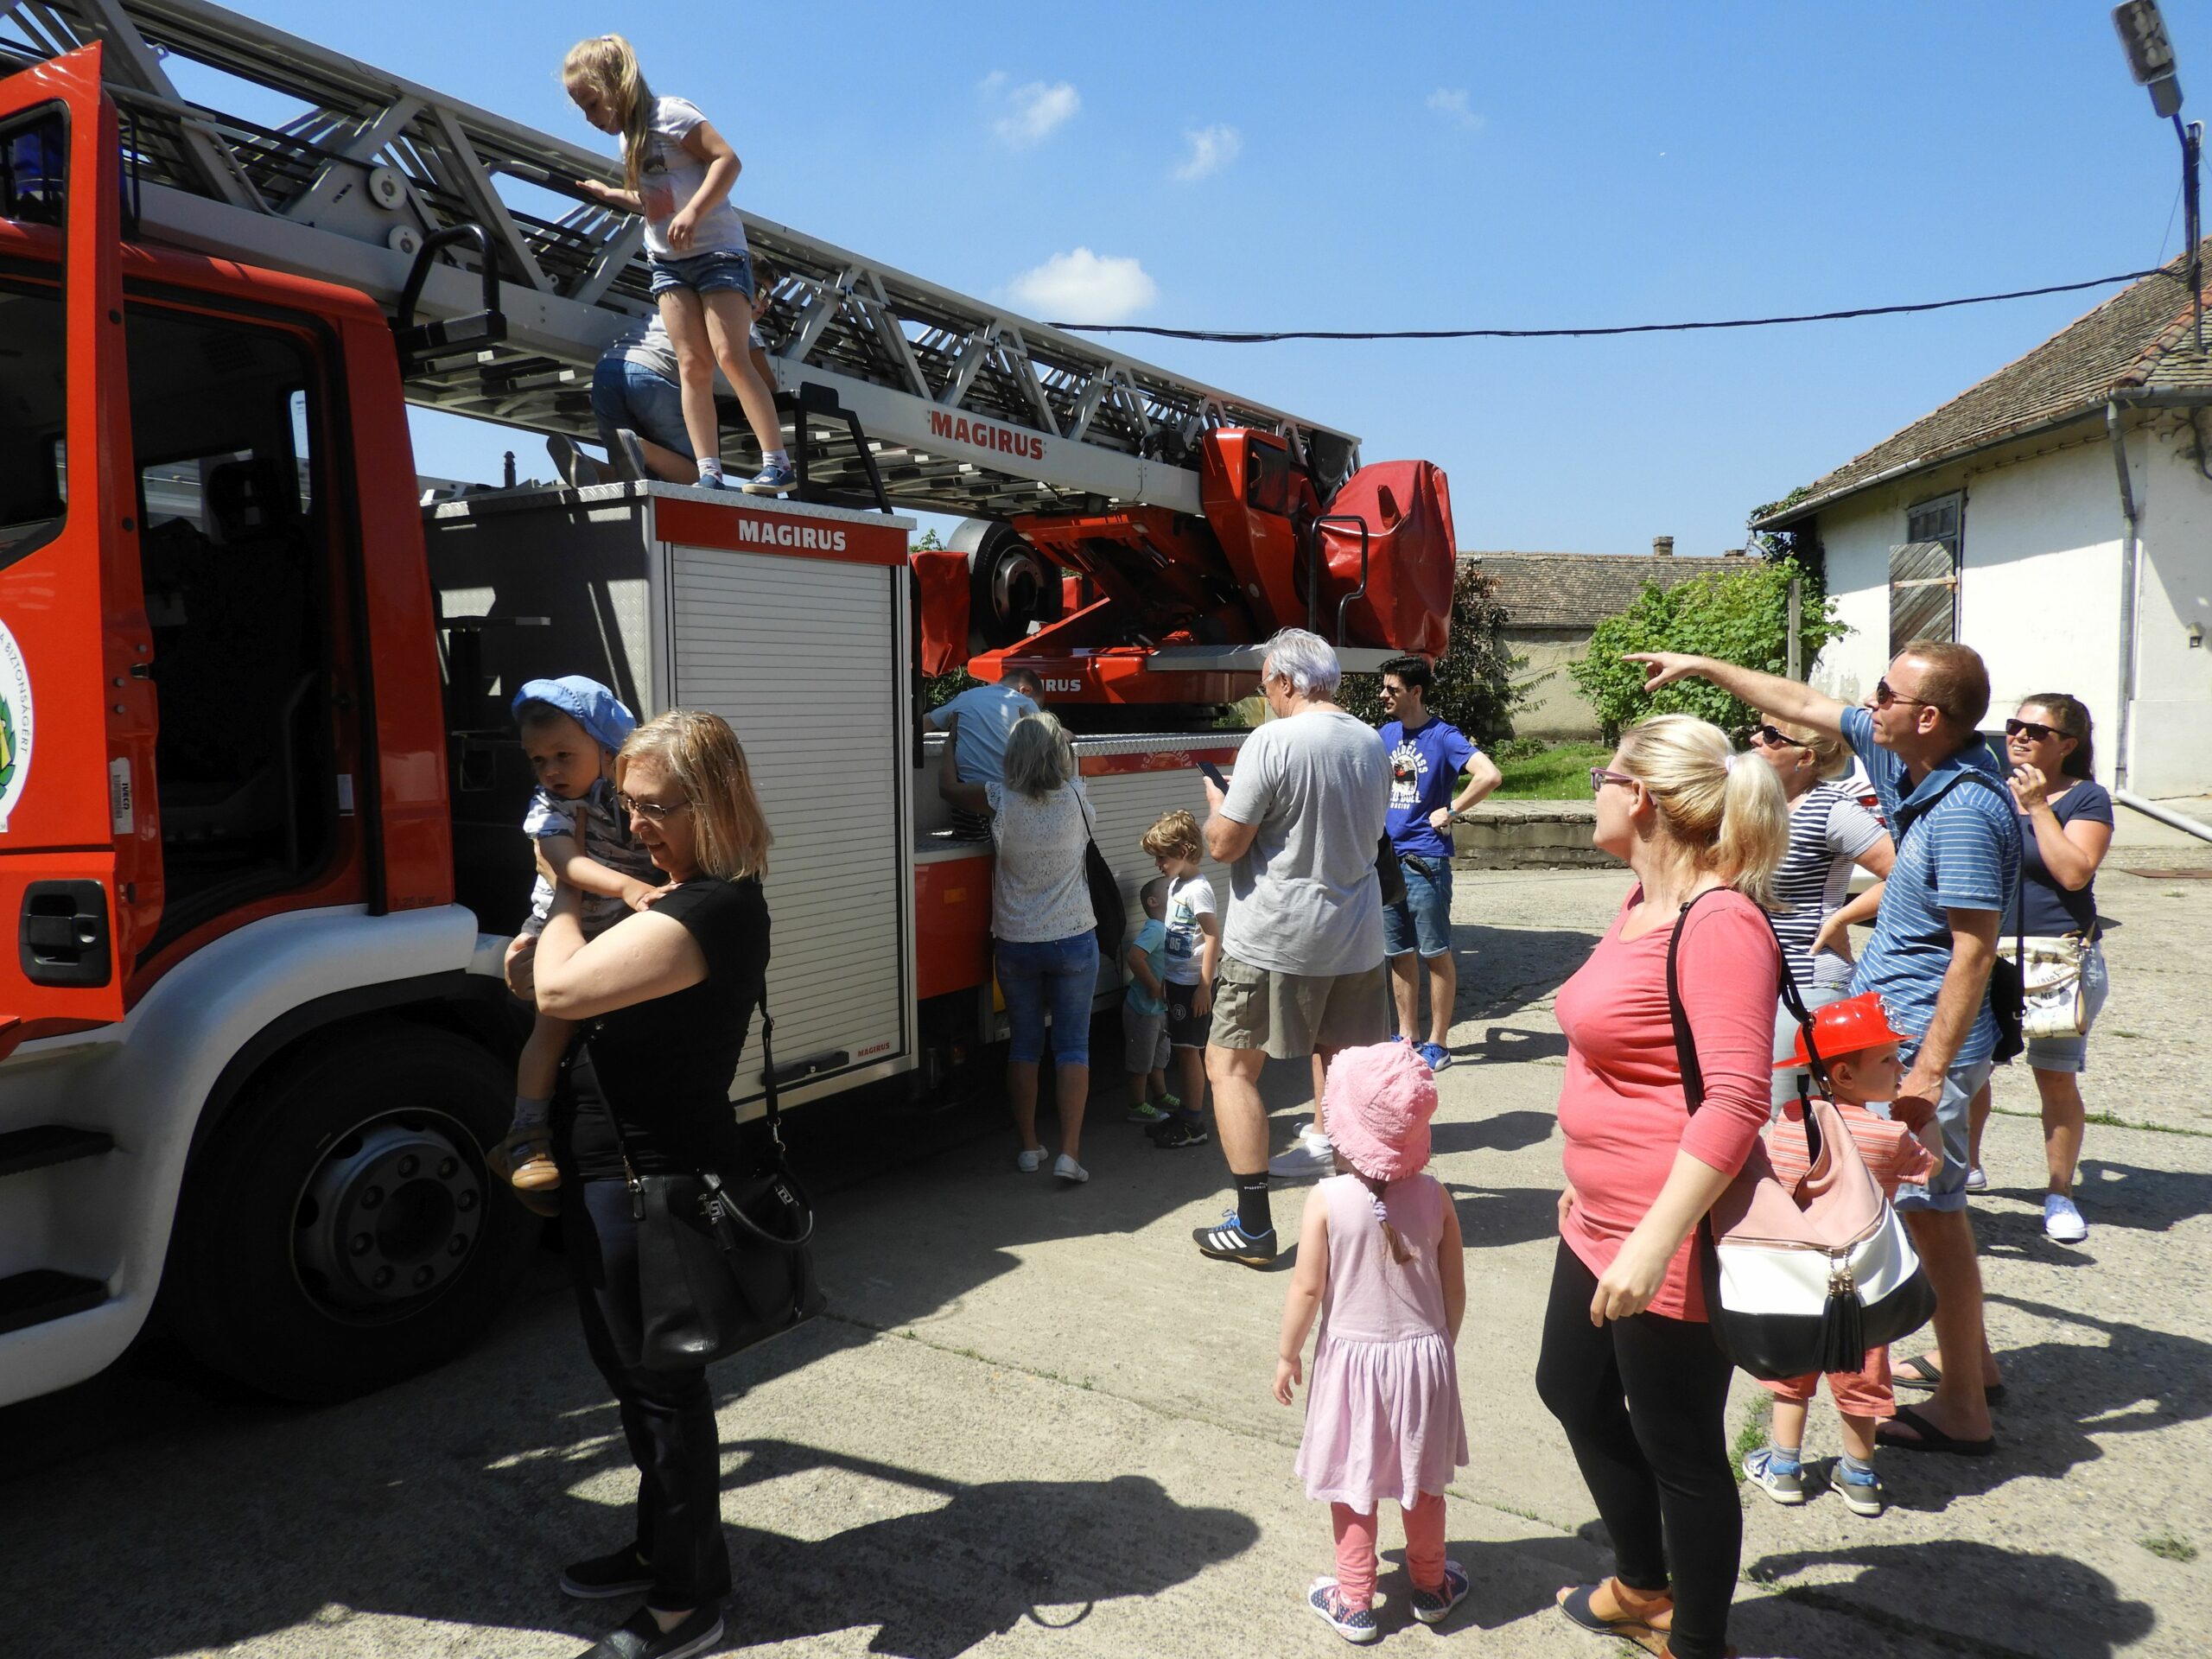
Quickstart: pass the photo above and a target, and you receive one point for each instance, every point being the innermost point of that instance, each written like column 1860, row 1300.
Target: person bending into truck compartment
column 1144, row 1011
column 985, row 716
column 1192, row 958
column 1042, row 921
column 669, row 995
column 677, row 172
column 571, row 728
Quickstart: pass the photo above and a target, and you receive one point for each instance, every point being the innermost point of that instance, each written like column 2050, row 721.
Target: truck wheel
column 342, row 1230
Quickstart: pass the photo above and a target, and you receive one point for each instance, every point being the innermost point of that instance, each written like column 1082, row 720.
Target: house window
column 1924, row 574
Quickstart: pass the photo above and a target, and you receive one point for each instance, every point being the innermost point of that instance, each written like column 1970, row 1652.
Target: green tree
column 1739, row 616
column 1474, row 688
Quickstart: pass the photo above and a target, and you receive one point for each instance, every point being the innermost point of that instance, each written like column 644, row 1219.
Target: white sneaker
column 1309, row 1158
column 1065, row 1168
column 1030, row 1162
column 1976, row 1181
column 2061, row 1222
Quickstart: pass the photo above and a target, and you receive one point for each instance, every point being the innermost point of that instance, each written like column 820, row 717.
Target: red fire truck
column 258, row 799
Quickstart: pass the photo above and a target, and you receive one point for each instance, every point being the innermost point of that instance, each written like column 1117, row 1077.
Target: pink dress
column 1383, row 1415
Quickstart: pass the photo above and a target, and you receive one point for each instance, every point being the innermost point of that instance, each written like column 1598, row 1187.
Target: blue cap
column 591, row 705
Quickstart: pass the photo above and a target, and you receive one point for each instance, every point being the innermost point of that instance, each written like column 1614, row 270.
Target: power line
column 1237, row 337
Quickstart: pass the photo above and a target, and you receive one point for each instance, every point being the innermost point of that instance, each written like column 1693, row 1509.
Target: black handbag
column 722, row 1263
column 1106, row 909
column 1389, row 875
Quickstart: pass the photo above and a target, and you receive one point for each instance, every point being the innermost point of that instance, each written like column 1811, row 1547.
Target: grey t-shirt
column 646, row 342
column 1304, row 899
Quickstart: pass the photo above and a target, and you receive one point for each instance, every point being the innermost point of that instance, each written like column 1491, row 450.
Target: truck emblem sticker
column 16, row 727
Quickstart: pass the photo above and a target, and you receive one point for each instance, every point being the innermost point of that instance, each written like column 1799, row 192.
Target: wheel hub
column 389, row 1215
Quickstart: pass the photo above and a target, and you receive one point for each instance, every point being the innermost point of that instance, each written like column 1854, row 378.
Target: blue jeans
column 1058, row 976
column 1947, row 1188
column 1425, row 919
column 624, row 393
column 722, row 271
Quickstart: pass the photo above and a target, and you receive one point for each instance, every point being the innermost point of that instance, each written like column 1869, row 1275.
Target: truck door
column 79, row 851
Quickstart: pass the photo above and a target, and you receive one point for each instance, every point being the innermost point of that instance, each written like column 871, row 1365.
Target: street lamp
column 2150, row 60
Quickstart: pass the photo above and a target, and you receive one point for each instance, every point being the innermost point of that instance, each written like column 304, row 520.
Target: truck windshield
column 33, row 469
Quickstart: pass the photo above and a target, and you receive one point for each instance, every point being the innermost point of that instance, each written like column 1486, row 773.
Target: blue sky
column 1421, row 167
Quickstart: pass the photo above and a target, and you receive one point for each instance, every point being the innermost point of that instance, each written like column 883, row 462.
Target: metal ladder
column 966, row 408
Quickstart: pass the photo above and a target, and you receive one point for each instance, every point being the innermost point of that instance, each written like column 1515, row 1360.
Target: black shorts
column 1185, row 1028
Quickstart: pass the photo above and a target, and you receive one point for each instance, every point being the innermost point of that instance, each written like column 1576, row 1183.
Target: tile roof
column 1580, row 590
column 2138, row 338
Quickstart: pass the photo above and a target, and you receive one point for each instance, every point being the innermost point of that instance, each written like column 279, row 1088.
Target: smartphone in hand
column 1213, row 775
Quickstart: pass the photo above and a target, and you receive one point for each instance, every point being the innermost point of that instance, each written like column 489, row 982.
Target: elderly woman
column 665, row 997
column 1041, row 917
column 1628, row 1364
column 1830, row 834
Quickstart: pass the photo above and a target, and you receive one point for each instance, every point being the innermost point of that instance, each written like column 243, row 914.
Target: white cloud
column 1033, row 112
column 1084, row 287
column 1212, row 150
column 1451, row 103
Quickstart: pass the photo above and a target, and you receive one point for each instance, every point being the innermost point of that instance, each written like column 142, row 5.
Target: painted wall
column 1554, row 710
column 2039, row 587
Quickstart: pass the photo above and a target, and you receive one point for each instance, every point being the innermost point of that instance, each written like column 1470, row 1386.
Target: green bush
column 1474, row 688
column 1738, row 616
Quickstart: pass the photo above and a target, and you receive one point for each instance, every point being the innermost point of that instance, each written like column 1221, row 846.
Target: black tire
column 346, row 1134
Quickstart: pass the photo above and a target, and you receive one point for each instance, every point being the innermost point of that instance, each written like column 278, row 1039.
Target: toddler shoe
column 1434, row 1606
column 1861, row 1494
column 1145, row 1112
column 1782, row 1481
column 1353, row 1624
column 533, row 1170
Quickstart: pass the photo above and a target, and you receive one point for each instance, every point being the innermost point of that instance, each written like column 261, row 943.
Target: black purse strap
column 1686, row 1048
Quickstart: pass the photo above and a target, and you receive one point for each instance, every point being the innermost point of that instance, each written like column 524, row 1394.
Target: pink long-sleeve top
column 1621, row 1107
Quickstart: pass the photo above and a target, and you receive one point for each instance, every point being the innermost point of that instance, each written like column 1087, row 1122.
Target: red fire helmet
column 1843, row 1028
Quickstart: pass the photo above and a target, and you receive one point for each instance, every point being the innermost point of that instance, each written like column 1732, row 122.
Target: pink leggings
column 1355, row 1548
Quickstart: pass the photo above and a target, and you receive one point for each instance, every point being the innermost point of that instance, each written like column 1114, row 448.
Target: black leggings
column 667, row 1416
column 1645, row 1404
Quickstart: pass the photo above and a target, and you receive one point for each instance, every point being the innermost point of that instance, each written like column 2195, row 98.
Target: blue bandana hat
column 591, row 705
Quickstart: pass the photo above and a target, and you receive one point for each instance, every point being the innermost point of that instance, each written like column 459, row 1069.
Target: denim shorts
column 1425, row 919
column 624, row 393
column 1947, row 1188
column 724, row 271
column 1056, row 976
column 2072, row 1053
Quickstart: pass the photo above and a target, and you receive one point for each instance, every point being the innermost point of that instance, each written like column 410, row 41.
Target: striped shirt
column 1958, row 848
column 1829, row 830
column 1892, row 1153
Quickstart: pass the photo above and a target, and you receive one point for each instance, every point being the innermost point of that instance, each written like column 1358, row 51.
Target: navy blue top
column 2050, row 908
column 1424, row 769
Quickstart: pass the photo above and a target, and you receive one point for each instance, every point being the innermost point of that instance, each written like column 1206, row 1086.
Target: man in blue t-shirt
column 1425, row 755
column 987, row 714
column 1958, row 865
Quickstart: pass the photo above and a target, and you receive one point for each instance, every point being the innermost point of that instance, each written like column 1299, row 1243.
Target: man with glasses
column 1957, row 867
column 1425, row 755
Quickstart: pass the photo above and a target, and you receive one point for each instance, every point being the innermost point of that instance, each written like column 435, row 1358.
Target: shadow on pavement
column 1515, row 967
column 1502, row 1132
column 1497, row 1216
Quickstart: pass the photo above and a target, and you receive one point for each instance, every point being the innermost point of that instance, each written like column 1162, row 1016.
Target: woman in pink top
column 1628, row 1365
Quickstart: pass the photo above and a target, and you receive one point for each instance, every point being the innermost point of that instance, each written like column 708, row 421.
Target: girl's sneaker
column 1434, row 1606
column 1353, row 1624
column 1861, row 1494
column 1782, row 1482
column 771, row 479
column 1145, row 1112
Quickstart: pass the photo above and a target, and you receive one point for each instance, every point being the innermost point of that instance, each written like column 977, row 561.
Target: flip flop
column 1931, row 1375
column 1929, row 1438
column 1575, row 1602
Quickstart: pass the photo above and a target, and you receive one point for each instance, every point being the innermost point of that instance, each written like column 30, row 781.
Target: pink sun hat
column 1377, row 1107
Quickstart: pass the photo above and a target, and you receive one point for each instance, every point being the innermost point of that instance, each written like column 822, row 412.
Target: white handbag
column 2050, row 978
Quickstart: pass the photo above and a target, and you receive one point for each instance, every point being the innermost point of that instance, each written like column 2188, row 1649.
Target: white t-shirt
column 1188, row 897
column 1304, row 899
column 671, row 176
column 1040, row 893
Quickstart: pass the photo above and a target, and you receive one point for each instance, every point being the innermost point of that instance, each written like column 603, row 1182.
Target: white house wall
column 2171, row 746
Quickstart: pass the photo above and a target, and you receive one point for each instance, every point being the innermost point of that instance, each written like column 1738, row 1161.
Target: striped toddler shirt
column 1892, row 1153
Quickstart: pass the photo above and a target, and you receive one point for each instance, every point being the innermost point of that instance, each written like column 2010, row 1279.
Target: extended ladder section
column 968, row 409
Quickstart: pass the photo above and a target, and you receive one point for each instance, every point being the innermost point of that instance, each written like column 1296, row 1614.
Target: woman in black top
column 665, row 998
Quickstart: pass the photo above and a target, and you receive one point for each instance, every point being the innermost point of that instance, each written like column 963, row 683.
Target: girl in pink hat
column 1379, row 1260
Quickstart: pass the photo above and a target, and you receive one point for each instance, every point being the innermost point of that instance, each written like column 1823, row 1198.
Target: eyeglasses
column 657, row 812
column 1884, row 695
column 2034, row 729
column 1765, row 735
column 1599, row 777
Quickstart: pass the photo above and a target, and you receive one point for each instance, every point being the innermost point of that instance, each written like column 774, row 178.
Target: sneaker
column 1229, row 1241
column 2061, row 1222
column 619, row 1573
column 632, row 449
column 771, row 479
column 1353, row 1624
column 1183, row 1129
column 1030, row 1162
column 1976, row 1180
column 1782, row 1482
column 1861, row 1494
column 1066, row 1170
column 713, row 481
column 1168, row 1103
column 1434, row 1606
column 1145, row 1112
column 577, row 470
column 641, row 1637
column 1309, row 1159
column 1436, row 1054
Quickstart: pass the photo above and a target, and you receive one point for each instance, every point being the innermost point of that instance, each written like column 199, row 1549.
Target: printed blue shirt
column 1957, row 850
column 1152, row 940
column 1424, row 774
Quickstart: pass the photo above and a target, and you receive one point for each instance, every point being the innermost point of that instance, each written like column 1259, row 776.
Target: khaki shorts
column 1290, row 1015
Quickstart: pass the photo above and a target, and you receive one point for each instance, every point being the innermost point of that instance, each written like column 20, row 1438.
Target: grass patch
column 1560, row 772
column 2110, row 1121
column 2168, row 1546
column 1752, row 1436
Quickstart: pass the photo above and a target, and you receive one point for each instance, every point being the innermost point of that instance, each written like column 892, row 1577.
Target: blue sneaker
column 1229, row 1242
column 1436, row 1054
column 1434, row 1606
column 1861, row 1494
column 1353, row 1624
column 771, row 479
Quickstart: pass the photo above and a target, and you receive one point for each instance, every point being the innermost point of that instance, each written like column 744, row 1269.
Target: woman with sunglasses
column 2067, row 825
column 1830, row 834
column 1628, row 1364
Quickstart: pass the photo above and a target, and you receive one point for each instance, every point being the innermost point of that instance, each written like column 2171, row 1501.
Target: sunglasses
column 2034, row 729
column 1767, row 737
column 657, row 812
column 1885, row 694
column 1599, row 777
